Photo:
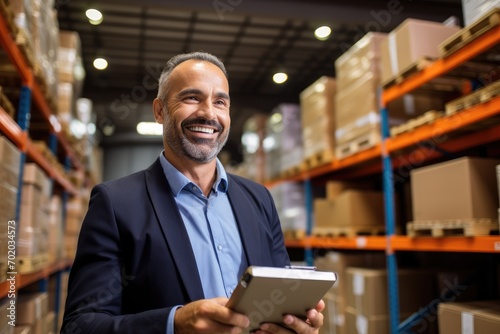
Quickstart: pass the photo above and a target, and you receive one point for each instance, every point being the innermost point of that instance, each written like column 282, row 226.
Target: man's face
column 196, row 120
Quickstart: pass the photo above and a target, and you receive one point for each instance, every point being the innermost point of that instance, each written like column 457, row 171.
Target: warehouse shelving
column 380, row 160
column 18, row 133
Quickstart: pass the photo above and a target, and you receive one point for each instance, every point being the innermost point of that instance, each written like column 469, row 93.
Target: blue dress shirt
column 212, row 231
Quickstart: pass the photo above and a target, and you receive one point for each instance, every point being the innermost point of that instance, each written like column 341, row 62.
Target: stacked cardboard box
column 470, row 317
column 367, row 297
column 290, row 204
column 283, row 142
column 475, row 9
column 463, row 188
column 358, row 75
column 33, row 230
column 335, row 300
column 254, row 132
column 317, row 108
column 33, row 312
column 55, row 224
column 10, row 158
column 75, row 212
column 348, row 209
column 411, row 41
column 5, row 313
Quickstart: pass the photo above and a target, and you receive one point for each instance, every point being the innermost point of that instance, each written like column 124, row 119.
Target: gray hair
column 180, row 58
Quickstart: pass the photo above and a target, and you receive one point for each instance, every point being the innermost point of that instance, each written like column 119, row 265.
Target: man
column 161, row 250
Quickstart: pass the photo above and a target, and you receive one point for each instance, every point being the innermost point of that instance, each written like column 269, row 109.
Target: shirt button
column 194, row 188
column 230, row 291
column 219, row 248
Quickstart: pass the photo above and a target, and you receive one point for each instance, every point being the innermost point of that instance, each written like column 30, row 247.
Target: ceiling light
column 93, row 14
column 95, row 22
column 322, row 33
column 280, row 77
column 100, row 63
column 149, row 129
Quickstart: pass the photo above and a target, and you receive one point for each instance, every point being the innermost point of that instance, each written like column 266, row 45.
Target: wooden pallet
column 417, row 66
column 466, row 35
column 292, row 171
column 412, row 124
column 30, row 264
column 358, row 144
column 316, row 160
column 481, row 95
column 348, row 231
column 452, row 227
column 294, row 234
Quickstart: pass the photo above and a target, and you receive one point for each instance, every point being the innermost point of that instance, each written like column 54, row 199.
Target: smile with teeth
column 201, row 129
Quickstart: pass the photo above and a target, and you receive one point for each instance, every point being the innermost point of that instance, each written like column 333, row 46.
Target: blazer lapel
column 247, row 222
column 173, row 229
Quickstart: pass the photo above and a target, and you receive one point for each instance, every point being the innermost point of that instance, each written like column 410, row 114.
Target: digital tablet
column 265, row 294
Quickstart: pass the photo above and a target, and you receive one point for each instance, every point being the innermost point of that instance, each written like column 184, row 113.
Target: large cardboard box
column 351, row 208
column 463, row 188
column 410, row 41
column 333, row 315
column 475, row 9
column 362, row 57
column 367, row 290
column 32, row 308
column 339, row 262
column 470, row 318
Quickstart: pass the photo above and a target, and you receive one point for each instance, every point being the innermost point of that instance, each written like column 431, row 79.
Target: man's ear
column 158, row 110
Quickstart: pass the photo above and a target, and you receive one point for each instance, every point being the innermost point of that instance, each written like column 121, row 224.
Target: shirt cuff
column 170, row 319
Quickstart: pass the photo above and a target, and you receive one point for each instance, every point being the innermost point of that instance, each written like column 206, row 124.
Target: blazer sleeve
column 98, row 279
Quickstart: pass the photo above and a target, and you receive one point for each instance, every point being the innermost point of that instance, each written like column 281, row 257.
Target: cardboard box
column 23, row 330
column 10, row 156
column 351, row 208
column 360, row 324
column 32, row 307
column 334, row 316
column 475, row 9
column 317, row 111
column 367, row 290
column 338, row 262
column 364, row 56
column 410, row 41
column 457, row 189
column 470, row 318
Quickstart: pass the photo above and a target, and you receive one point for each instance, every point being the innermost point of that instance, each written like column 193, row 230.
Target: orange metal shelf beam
column 443, row 65
column 11, row 130
column 335, row 165
column 366, row 243
column 14, row 54
column 23, row 280
column 445, row 125
column 486, row 244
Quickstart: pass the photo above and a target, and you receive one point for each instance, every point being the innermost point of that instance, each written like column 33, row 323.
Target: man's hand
column 310, row 326
column 209, row 316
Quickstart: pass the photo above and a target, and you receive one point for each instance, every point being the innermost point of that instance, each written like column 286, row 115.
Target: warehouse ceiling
column 254, row 38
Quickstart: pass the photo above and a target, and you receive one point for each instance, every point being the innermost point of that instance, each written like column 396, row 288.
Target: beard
column 199, row 149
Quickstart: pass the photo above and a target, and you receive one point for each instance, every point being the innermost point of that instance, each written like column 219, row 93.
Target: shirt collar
column 178, row 181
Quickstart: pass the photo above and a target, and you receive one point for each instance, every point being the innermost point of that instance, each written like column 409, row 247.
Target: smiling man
column 161, row 250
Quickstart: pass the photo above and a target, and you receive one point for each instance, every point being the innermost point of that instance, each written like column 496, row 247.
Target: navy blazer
column 134, row 260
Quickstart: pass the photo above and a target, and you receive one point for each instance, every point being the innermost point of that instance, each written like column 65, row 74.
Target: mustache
column 202, row 121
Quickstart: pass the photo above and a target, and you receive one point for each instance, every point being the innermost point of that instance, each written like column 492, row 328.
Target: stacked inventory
column 290, row 205
column 7, row 314
column 367, row 302
column 335, row 299
column 33, row 231
column 33, row 312
column 317, row 107
column 253, row 151
column 471, row 317
column 10, row 159
column 55, row 235
column 358, row 75
column 347, row 211
column 75, row 212
column 283, row 142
